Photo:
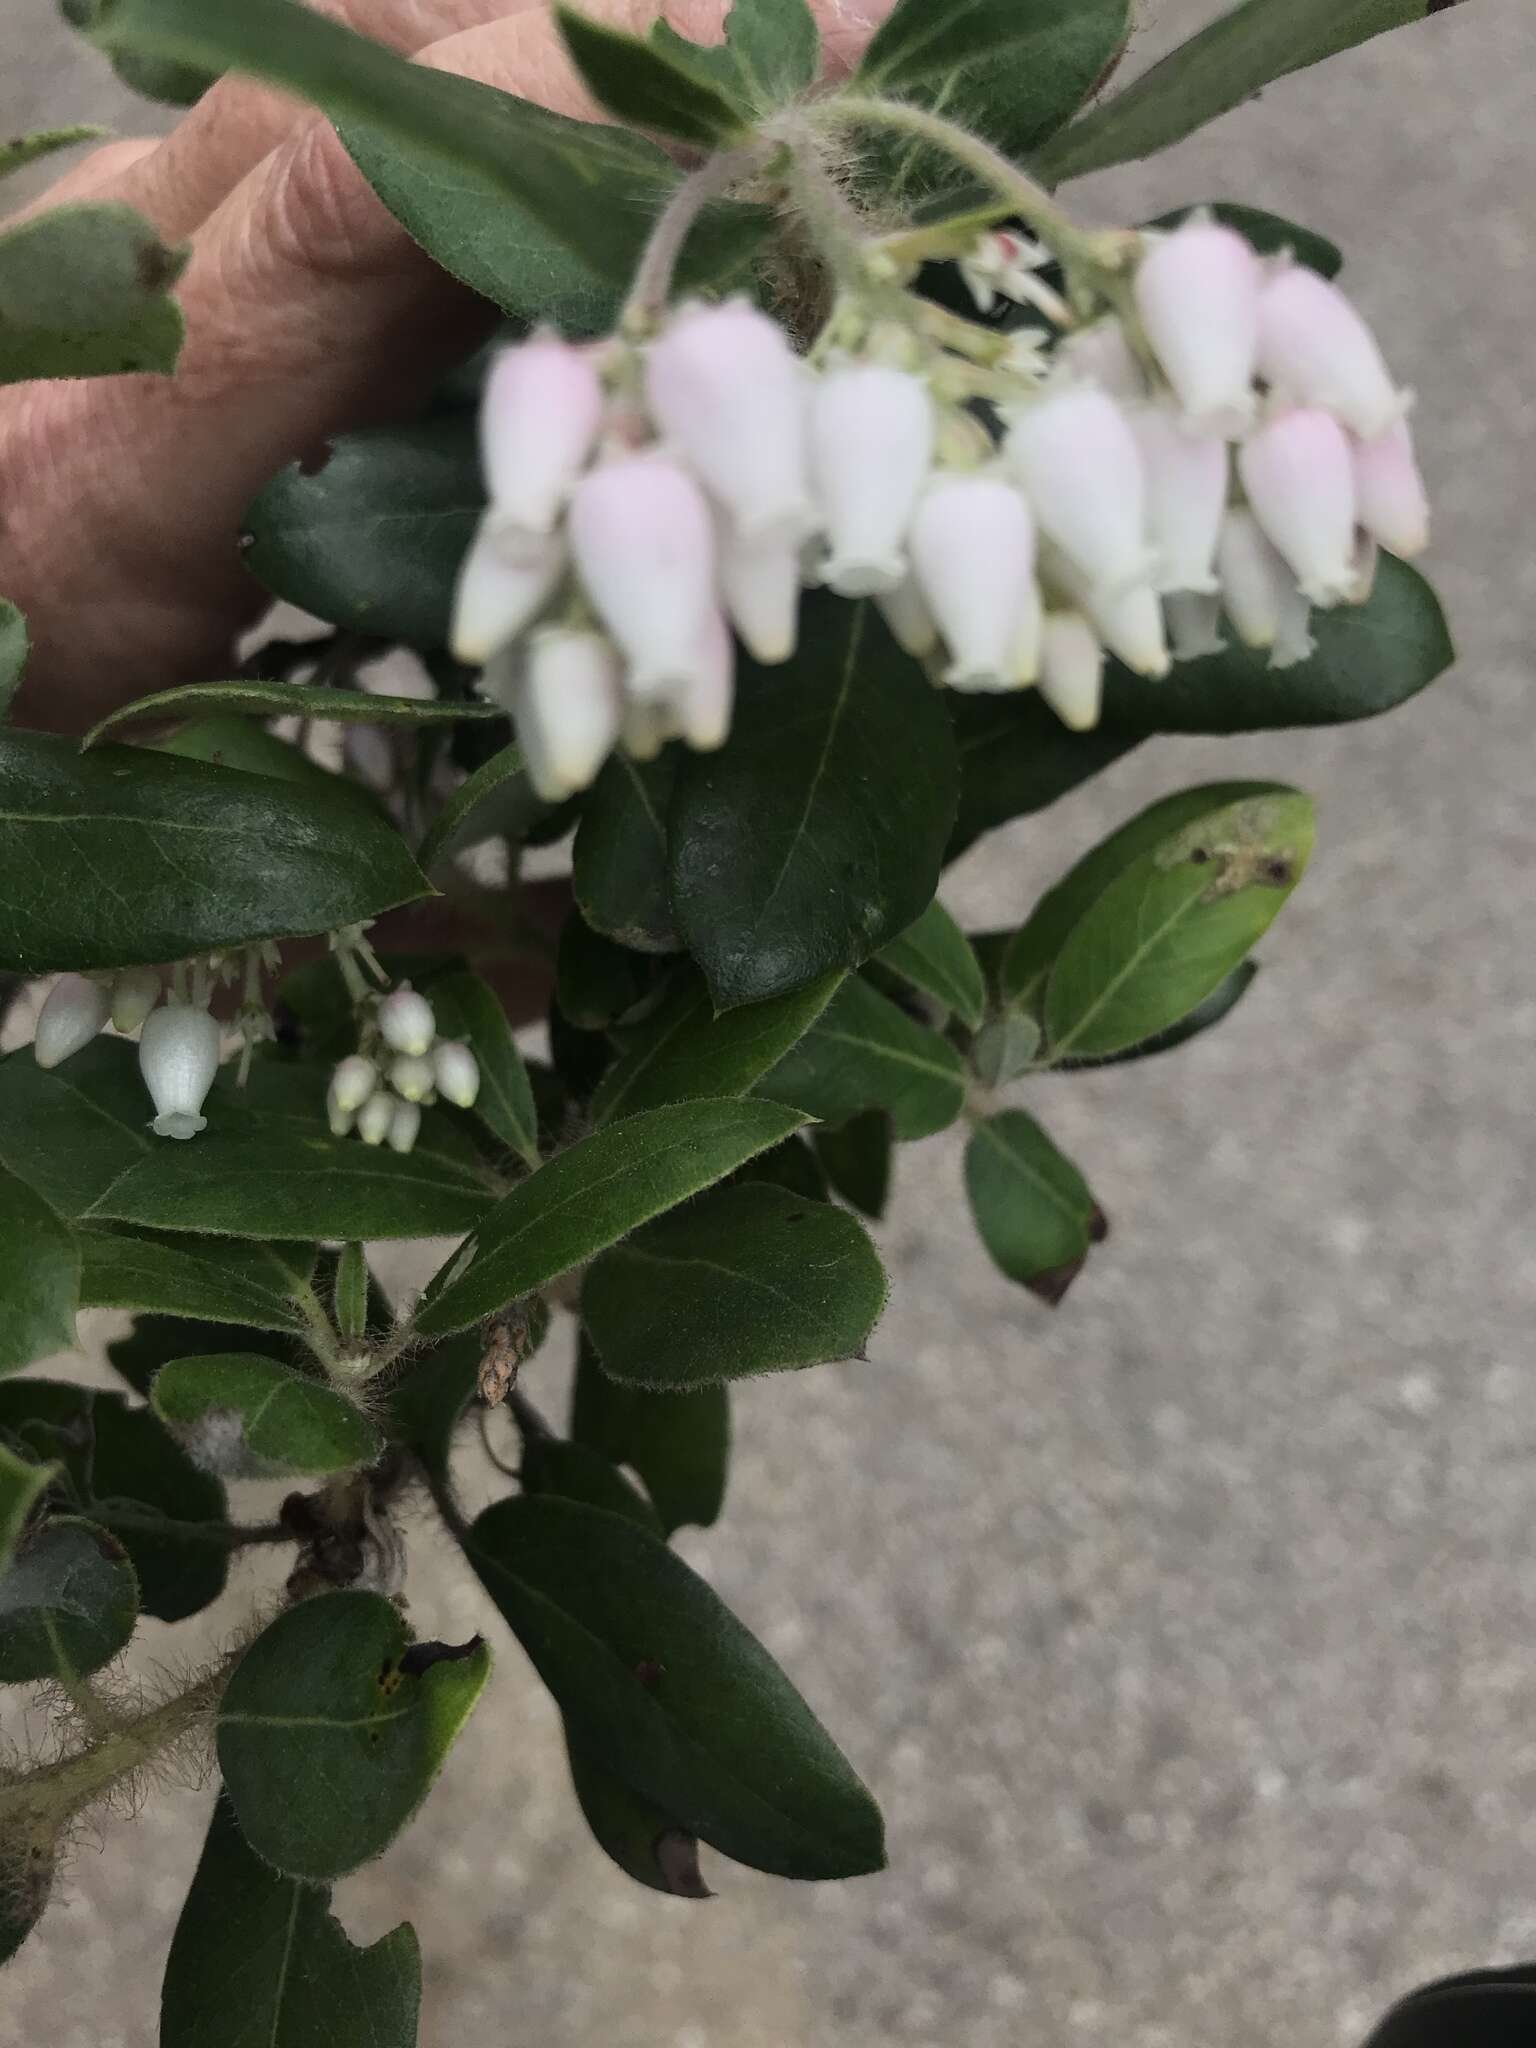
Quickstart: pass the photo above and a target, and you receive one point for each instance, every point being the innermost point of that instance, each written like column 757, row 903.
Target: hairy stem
column 652, row 286
column 320, row 1336
column 222, row 1535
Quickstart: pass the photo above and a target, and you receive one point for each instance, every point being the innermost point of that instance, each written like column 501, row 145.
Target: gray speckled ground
column 1187, row 1635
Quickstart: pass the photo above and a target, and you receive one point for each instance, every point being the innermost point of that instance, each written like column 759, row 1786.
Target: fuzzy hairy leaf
column 85, row 292
column 934, row 955
column 218, row 1279
column 39, row 1277
column 68, row 1604
column 650, row 84
column 678, row 1443
column 619, row 861
column 252, row 1418
column 863, row 1053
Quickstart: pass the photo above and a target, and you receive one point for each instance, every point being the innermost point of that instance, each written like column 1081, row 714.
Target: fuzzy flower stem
column 652, row 286
column 835, row 223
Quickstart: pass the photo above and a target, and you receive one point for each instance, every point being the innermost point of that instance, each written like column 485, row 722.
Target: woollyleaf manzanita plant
column 833, row 496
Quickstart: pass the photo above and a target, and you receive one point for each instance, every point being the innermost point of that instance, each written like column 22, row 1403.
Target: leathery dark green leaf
column 863, row 1052
column 207, row 1278
column 39, row 1277
column 68, row 1603
column 253, row 1418
column 289, row 700
column 619, row 862
column 678, row 1443
column 935, row 956
column 1034, row 1212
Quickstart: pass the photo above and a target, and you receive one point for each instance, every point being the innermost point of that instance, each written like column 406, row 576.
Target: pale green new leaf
column 85, row 292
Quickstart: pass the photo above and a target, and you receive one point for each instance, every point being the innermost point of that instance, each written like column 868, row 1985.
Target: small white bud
column 1393, row 503
column 1102, row 355
column 179, row 1057
column 1072, row 670
column 973, row 557
column 1194, row 625
column 1256, row 584
column 872, row 437
column 404, row 1126
column 1075, row 454
column 1315, row 349
column 566, row 705
column 760, row 588
column 340, row 1120
column 411, row 1076
column 1298, row 474
column 76, row 1009
column 353, row 1082
column 134, row 994
column 912, row 624
column 406, row 1022
column 457, row 1073
column 376, row 1116
column 1186, row 497
column 539, row 422
column 729, row 393
column 498, row 596
column 1197, row 291
column 644, row 545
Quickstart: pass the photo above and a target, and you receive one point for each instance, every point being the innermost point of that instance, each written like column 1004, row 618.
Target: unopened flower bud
column 135, row 993
column 76, row 1009
column 404, row 1126
column 644, row 545
column 728, row 392
column 457, row 1073
column 411, row 1076
column 498, row 596
column 539, row 421
column 1194, row 625
column 1186, row 496
column 701, row 709
column 1315, row 349
column 973, row 556
column 1072, row 670
column 1298, row 474
column 566, row 706
column 1256, row 584
column 1075, row 454
column 340, row 1120
column 912, row 624
column 760, row 587
column 872, row 436
column 406, row 1022
column 1102, row 355
column 179, row 1057
column 353, row 1082
column 376, row 1116
column 1393, row 503
column 1197, row 291
column 1130, row 623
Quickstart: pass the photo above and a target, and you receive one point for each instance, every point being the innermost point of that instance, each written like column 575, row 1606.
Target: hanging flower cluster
column 401, row 1067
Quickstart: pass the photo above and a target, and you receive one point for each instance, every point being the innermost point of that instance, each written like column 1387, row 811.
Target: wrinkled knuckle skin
column 321, row 218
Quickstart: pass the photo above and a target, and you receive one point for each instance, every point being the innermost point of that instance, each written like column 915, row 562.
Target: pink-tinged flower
column 135, row 993
column 353, row 1081
column 1256, row 583
column 1393, row 503
column 1315, row 349
column 1186, row 496
column 376, row 1116
column 566, row 705
column 539, row 423
column 973, row 557
column 912, row 624
column 498, row 597
column 644, row 545
column 457, row 1071
column 729, row 394
column 1075, row 454
column 872, row 435
column 1197, row 291
column 1072, row 670
column 1102, row 355
column 76, row 1009
column 701, row 709
column 1194, row 625
column 179, row 1057
column 406, row 1021
column 404, row 1126
column 1299, row 477
column 760, row 588
column 1002, row 264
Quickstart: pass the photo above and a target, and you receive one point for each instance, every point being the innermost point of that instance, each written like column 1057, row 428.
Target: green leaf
column 465, row 1008
column 39, row 1277
column 644, row 1842
column 267, row 1167
column 13, row 652
column 217, row 858
column 683, row 1051
column 333, row 1727
column 1034, row 1211
column 857, row 1159
column 815, row 835
column 1237, row 55
column 22, row 150
column 1016, row 758
column 1015, row 70
column 678, row 1443
column 597, row 981
column 792, row 1166
column 85, row 292
column 1217, row 1006
column 251, row 1418
column 572, row 1471
column 651, row 86
column 1006, row 1048
column 237, row 743
column 865, row 1053
column 288, row 700
column 124, row 1472
column 935, row 956
column 173, row 85
column 745, row 1280
column 1268, row 232
column 206, row 1278
column 1477, row 2009
column 662, row 1681
column 1171, row 928
column 350, row 1292
column 154, row 1340
column 258, row 1961
column 619, row 861
column 497, row 799
column 22, row 1485
column 68, row 1603
column 776, row 48
column 591, row 1195
column 372, row 539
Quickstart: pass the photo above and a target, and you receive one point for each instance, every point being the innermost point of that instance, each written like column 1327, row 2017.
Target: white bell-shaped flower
column 1186, row 496
column 1315, row 349
column 539, row 422
column 411, row 1076
column 1393, row 504
column 1299, row 477
column 1194, row 625
column 498, row 595
column 353, row 1081
column 1072, row 670
column 404, row 1126
column 1256, row 582
column 644, row 545
column 1075, row 454
column 729, row 393
column 1367, row 562
column 1130, row 624
column 760, row 589
column 406, row 1021
column 872, row 436
column 1197, row 291
column 1027, row 651
column 76, row 1009
column 179, row 1057
column 457, row 1072
column 1294, row 643
column 376, row 1116
column 701, row 709
column 1102, row 355
column 973, row 557
column 912, row 625
column 135, row 993
column 566, row 705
